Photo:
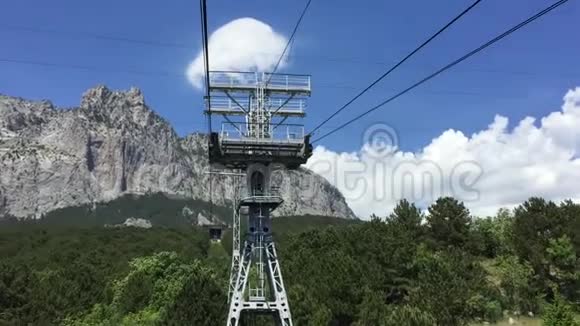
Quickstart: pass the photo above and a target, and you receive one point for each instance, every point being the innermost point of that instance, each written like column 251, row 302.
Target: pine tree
column 448, row 223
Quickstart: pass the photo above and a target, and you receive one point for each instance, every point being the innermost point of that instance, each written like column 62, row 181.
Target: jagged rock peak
column 17, row 113
column 117, row 108
column 101, row 97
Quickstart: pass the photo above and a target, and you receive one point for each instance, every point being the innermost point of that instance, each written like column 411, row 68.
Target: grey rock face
column 112, row 145
column 203, row 220
column 138, row 223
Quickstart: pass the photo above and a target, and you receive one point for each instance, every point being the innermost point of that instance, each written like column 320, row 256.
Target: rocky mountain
column 113, row 144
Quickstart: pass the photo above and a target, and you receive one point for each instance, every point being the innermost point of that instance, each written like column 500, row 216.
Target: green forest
column 441, row 267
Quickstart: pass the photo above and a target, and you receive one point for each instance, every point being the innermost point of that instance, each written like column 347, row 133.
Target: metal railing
column 297, row 105
column 225, row 103
column 239, row 79
column 233, row 79
column 288, row 133
column 287, row 82
column 274, row 191
column 257, row 294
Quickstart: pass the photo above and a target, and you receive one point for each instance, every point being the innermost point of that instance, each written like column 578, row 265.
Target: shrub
column 559, row 313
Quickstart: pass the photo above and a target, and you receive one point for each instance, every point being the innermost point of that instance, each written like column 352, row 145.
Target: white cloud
column 496, row 167
column 244, row 44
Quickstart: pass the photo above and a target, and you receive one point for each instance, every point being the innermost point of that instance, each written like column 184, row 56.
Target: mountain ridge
column 113, row 144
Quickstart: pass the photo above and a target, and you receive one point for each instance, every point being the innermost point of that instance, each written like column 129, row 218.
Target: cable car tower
column 255, row 136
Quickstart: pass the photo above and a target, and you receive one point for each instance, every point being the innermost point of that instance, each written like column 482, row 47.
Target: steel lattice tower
column 256, row 145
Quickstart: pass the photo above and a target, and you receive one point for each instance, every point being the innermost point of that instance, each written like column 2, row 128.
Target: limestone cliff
column 114, row 144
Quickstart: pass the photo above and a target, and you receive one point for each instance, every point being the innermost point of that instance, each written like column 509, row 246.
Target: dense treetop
column 439, row 267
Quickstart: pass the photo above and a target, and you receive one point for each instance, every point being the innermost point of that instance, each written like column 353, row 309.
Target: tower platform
column 244, row 81
column 234, row 150
column 270, row 201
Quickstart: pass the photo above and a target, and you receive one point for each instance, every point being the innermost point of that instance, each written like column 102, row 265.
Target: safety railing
column 240, row 105
column 287, row 82
column 225, row 103
column 274, row 191
column 257, row 294
column 233, row 79
column 283, row 133
column 295, row 105
column 246, row 80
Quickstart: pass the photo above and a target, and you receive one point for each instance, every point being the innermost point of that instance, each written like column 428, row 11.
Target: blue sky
column 344, row 45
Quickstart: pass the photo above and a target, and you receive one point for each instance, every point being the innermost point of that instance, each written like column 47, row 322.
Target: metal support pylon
column 259, row 252
column 255, row 145
column 259, row 287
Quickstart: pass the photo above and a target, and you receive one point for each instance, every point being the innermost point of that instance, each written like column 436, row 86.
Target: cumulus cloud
column 244, row 44
column 493, row 168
